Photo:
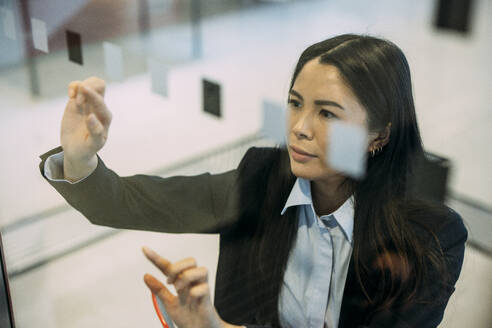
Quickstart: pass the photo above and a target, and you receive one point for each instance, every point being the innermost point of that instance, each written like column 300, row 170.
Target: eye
column 294, row 103
column 327, row 114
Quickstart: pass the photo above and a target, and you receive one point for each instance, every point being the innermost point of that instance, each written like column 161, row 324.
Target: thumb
column 94, row 125
column 160, row 290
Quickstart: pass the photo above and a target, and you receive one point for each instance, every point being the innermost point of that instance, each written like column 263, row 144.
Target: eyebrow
column 317, row 102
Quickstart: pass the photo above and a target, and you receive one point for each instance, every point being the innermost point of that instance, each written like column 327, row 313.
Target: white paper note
column 113, row 61
column 158, row 76
column 8, row 21
column 274, row 122
column 347, row 148
column 39, row 34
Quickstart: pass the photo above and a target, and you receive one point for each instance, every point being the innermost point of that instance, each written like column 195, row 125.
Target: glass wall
column 188, row 83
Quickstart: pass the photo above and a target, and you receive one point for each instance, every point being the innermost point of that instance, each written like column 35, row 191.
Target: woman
column 301, row 245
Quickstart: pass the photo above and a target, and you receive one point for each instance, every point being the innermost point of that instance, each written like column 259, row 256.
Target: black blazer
column 208, row 203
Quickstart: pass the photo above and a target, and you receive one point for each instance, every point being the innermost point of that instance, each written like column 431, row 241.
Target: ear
column 381, row 139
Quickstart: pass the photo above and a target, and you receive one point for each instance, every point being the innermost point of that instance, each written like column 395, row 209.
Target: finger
column 94, row 126
column 72, row 100
column 191, row 277
column 199, row 294
column 159, row 289
column 176, row 268
column 97, row 103
column 157, row 260
column 79, row 97
column 187, row 280
column 96, row 84
column 72, row 88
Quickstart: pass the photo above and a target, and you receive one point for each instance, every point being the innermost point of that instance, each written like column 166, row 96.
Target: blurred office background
column 64, row 272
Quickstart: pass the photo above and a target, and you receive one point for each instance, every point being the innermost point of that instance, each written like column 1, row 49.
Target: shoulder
column 452, row 233
column 440, row 228
column 264, row 170
column 260, row 154
column 439, row 220
column 259, row 159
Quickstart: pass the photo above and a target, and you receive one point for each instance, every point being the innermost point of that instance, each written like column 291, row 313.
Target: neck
column 328, row 194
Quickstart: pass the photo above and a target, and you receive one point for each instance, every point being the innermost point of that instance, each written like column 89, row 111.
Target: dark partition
column 6, row 313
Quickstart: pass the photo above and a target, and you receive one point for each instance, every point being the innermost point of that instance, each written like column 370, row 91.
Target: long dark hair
column 384, row 237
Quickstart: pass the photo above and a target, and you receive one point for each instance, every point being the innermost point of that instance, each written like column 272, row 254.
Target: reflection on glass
column 302, row 242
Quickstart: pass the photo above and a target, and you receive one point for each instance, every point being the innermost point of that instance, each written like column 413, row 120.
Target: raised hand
column 85, row 123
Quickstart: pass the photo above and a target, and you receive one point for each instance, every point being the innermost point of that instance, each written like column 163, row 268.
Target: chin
column 311, row 170
column 308, row 171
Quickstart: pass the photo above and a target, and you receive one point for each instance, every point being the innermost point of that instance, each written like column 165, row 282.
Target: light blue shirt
column 314, row 280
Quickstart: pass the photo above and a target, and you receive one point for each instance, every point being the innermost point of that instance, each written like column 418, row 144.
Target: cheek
column 322, row 139
column 291, row 120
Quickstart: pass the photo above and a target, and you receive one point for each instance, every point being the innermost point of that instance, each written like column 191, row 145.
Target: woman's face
column 318, row 97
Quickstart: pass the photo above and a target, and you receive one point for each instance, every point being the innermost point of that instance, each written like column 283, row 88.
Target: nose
column 302, row 127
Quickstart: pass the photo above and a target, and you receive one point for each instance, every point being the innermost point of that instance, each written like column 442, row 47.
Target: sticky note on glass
column 211, row 97
column 274, row 125
column 8, row 23
column 158, row 77
column 347, row 148
column 113, row 60
column 74, row 46
column 39, row 34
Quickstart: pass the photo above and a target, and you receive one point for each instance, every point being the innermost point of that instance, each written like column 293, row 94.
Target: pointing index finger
column 157, row 260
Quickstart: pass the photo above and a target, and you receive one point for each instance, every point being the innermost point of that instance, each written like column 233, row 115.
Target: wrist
column 78, row 169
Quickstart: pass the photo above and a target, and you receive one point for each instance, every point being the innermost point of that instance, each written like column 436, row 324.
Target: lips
column 300, row 151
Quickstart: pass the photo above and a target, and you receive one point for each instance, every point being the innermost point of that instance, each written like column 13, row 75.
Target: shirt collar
column 301, row 195
column 345, row 217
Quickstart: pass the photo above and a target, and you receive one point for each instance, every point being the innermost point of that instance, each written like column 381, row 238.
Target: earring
column 376, row 151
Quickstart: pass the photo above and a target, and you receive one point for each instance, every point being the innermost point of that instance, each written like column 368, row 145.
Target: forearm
column 178, row 204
